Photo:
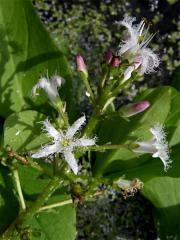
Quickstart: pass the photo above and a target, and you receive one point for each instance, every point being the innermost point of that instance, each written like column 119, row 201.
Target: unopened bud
column 81, row 66
column 115, row 61
column 108, row 56
column 133, row 108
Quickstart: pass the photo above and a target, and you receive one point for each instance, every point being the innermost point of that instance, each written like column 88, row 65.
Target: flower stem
column 18, row 187
column 89, row 90
column 106, row 147
column 92, row 124
column 21, row 220
column 59, row 107
column 59, row 204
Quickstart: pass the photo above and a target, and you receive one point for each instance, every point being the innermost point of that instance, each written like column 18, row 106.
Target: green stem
column 103, row 80
column 21, row 220
column 59, row 108
column 55, row 205
column 19, row 189
column 92, row 124
column 89, row 90
column 106, row 147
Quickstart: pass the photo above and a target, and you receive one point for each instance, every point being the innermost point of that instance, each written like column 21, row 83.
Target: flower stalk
column 18, row 188
column 83, row 74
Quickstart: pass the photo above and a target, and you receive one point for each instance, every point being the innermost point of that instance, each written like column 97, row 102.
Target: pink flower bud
column 108, row 56
column 81, row 66
column 115, row 61
column 134, row 108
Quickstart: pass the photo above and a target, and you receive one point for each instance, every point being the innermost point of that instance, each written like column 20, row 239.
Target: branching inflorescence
column 68, row 143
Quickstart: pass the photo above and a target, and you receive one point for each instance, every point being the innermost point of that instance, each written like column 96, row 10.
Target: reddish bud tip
column 115, row 61
column 108, row 56
column 134, row 108
column 141, row 106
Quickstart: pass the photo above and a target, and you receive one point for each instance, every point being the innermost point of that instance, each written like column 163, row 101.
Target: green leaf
column 164, row 193
column 27, row 51
column 173, row 120
column 56, row 224
column 23, row 131
column 137, row 127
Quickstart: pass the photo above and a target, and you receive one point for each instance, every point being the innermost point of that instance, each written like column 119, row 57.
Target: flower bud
column 134, row 108
column 115, row 61
column 108, row 56
column 81, row 66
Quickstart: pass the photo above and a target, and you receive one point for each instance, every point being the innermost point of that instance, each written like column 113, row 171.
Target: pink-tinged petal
column 72, row 162
column 134, row 108
column 80, row 64
column 51, row 131
column 46, row 151
column 75, row 127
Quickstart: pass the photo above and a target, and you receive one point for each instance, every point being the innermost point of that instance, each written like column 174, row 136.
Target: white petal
column 137, row 61
column 45, row 84
column 84, row 142
column 145, row 147
column 46, row 151
column 51, row 131
column 57, row 81
column 150, row 61
column 75, row 127
column 159, row 134
column 155, row 155
column 132, row 39
column 72, row 162
column 127, row 73
column 140, row 27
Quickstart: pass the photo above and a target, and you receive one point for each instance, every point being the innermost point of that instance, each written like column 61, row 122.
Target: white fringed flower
column 134, row 48
column 157, row 146
column 50, row 86
column 64, row 143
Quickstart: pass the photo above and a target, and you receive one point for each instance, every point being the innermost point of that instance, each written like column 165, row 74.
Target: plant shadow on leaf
column 5, row 56
column 9, row 205
column 27, row 52
column 23, row 131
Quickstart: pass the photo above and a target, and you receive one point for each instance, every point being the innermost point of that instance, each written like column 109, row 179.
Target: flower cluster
column 64, row 143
